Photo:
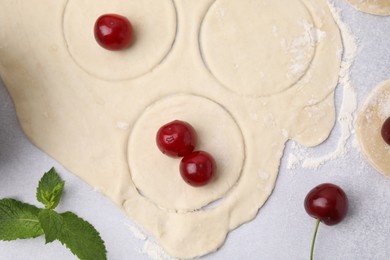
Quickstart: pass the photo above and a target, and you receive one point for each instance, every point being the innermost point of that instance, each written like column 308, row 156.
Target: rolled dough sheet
column 247, row 83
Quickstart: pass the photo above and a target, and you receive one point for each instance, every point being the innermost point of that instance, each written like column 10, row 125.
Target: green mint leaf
column 51, row 223
column 18, row 220
column 50, row 188
column 82, row 238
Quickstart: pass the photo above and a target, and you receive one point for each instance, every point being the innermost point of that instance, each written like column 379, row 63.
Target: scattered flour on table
column 150, row 248
column 136, row 232
column 155, row 252
column 299, row 155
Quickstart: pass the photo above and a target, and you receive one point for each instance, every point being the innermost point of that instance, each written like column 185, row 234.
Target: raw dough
column 278, row 52
column 122, row 65
column 378, row 7
column 219, row 132
column 89, row 112
column 369, row 124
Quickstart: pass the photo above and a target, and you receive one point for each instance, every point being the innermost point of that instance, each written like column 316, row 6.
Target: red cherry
column 328, row 203
column 386, row 131
column 113, row 32
column 197, row 168
column 176, row 139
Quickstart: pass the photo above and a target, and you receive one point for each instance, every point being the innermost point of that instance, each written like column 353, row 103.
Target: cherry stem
column 314, row 239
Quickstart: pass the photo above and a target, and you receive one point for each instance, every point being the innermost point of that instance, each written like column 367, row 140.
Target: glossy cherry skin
column 113, row 32
column 386, row 131
column 176, row 139
column 197, row 168
column 327, row 202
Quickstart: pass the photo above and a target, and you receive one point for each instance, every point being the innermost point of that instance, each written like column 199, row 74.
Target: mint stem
column 314, row 239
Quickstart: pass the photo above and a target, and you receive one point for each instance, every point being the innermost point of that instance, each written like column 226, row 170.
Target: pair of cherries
column 178, row 139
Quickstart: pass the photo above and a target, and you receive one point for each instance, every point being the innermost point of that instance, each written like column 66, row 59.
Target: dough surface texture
column 247, row 82
column 369, row 124
column 377, row 7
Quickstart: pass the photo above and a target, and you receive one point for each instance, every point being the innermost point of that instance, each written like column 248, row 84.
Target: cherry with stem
column 327, row 203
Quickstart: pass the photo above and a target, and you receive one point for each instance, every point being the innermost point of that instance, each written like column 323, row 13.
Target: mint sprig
column 19, row 220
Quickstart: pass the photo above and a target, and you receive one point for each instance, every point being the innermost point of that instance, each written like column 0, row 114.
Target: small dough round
column 148, row 50
column 157, row 176
column 377, row 7
column 369, row 124
column 263, row 52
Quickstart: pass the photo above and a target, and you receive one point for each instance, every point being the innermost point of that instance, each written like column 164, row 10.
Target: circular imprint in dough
column 157, row 176
column 257, row 48
column 154, row 24
column 377, row 7
column 369, row 124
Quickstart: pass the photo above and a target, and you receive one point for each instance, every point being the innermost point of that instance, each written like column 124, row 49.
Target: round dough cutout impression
column 154, row 24
column 369, row 124
column 257, row 48
column 377, row 7
column 157, row 176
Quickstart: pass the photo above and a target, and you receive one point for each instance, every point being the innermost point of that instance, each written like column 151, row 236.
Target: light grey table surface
column 281, row 230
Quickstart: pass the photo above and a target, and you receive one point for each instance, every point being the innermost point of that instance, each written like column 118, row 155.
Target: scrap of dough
column 377, row 7
column 369, row 124
column 73, row 115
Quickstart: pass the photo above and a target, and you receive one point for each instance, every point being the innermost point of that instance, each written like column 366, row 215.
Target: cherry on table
column 113, row 32
column 386, row 131
column 197, row 168
column 176, row 139
column 328, row 203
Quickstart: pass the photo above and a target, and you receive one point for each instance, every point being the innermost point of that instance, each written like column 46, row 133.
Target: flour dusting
column 348, row 107
column 384, row 106
column 155, row 252
column 150, row 248
column 298, row 49
column 123, row 125
column 136, row 232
